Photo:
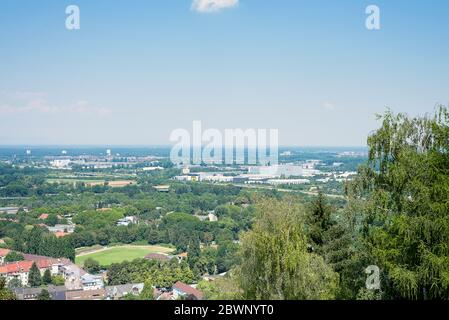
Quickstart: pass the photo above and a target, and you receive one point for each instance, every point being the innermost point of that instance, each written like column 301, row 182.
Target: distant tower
column 28, row 152
column 108, row 152
column 64, row 151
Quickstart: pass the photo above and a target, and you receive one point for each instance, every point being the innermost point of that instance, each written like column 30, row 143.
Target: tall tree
column 34, row 276
column 5, row 293
column 318, row 220
column 193, row 252
column 148, row 291
column 405, row 187
column 46, row 278
column 275, row 262
column 91, row 265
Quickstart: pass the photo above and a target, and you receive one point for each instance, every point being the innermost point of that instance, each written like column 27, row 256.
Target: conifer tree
column 46, row 278
column 34, row 276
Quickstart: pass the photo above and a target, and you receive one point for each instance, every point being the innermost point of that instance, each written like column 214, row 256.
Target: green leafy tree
column 405, row 188
column 51, row 220
column 148, row 291
column 225, row 288
column 13, row 257
column 338, row 251
column 194, row 253
column 275, row 262
column 5, row 293
column 34, row 276
column 91, row 265
column 318, row 220
column 44, row 295
column 14, row 283
column 57, row 280
column 46, row 278
column 331, row 237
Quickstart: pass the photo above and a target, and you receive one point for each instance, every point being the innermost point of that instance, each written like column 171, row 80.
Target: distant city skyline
column 137, row 70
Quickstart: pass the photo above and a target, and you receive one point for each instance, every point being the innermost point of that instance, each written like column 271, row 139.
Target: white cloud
column 329, row 106
column 213, row 5
column 28, row 102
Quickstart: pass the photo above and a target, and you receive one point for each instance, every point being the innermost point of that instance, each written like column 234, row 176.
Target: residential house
column 20, row 269
column 99, row 294
column 56, row 293
column 27, row 293
column 126, row 221
column 119, row 291
column 43, row 216
column 212, row 217
column 62, row 228
column 61, row 234
column 182, row 256
column 92, row 282
column 72, row 275
column 184, row 291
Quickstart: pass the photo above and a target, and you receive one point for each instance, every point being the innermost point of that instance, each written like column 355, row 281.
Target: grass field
column 108, row 255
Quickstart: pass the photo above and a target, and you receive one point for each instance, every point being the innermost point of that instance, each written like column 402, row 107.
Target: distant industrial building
column 277, row 182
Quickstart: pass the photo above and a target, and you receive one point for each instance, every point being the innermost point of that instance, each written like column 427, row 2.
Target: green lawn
column 120, row 253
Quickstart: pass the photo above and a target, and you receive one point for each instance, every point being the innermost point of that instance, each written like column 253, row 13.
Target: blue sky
column 138, row 69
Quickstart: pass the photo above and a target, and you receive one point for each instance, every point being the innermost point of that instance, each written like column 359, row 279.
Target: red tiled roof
column 15, row 267
column 43, row 216
column 25, row 266
column 34, row 257
column 4, row 252
column 61, row 234
column 181, row 286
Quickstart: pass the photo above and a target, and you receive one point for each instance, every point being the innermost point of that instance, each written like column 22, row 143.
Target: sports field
column 108, row 255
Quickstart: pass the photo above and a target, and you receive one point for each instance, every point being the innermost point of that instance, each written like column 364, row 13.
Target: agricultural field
column 108, row 255
column 74, row 180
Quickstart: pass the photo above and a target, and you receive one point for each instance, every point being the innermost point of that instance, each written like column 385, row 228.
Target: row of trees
column 40, row 242
column 160, row 275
